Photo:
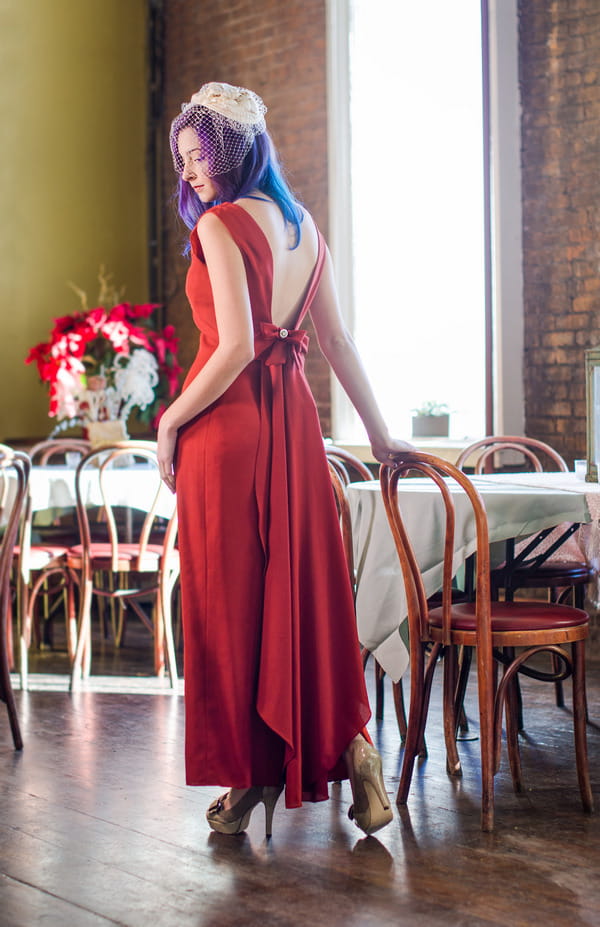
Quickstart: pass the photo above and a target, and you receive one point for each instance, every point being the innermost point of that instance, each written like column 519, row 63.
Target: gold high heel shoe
column 235, row 820
column 371, row 809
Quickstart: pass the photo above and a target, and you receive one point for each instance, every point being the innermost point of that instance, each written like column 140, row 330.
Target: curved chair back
column 348, row 467
column 345, row 468
column 139, row 522
column 101, row 467
column 14, row 476
column 488, row 453
column 438, row 471
column 341, row 501
column 41, row 555
column 531, row 628
column 54, row 450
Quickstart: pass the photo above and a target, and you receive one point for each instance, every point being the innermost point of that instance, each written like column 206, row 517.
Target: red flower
column 87, row 343
column 142, row 311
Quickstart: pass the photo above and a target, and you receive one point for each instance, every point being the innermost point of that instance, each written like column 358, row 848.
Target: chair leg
column 512, row 702
column 398, row 693
column 465, row 660
column 159, row 637
column 82, row 652
column 10, row 653
column 486, row 692
column 6, row 692
column 71, row 616
column 420, row 691
column 166, row 595
column 453, row 766
column 558, row 686
column 379, row 690
column 579, row 725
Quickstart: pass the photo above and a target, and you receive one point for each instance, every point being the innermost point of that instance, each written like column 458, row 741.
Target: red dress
column 274, row 687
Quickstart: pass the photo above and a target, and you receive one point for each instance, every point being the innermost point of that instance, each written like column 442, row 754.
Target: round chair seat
column 514, row 616
column 42, row 555
column 101, row 557
column 552, row 573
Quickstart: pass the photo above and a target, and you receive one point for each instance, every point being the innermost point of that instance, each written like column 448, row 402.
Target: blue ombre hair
column 260, row 170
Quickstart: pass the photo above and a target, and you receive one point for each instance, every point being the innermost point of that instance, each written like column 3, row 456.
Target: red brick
column 277, row 49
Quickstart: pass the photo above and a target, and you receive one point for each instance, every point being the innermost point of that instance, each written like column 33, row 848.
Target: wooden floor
column 98, row 827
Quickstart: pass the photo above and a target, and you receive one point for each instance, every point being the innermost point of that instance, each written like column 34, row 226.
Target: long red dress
column 274, row 687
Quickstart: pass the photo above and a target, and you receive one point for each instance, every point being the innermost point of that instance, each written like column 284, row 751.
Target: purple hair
column 260, row 170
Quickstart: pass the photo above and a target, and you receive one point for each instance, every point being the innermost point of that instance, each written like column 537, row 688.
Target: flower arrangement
column 102, row 363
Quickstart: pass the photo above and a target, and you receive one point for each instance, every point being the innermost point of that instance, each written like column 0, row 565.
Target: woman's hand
column 385, row 451
column 167, row 442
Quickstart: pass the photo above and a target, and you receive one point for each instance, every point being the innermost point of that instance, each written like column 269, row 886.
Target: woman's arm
column 337, row 345
column 236, row 339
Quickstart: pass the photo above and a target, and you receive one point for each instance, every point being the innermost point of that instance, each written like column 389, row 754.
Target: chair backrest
column 15, row 467
column 345, row 468
column 343, row 507
column 51, row 453
column 486, row 455
column 448, row 480
column 107, row 482
column 348, row 467
column 54, row 451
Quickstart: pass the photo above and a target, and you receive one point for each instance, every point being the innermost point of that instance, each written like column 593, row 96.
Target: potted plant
column 431, row 420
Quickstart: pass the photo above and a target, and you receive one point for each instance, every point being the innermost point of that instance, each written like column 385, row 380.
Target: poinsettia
column 101, row 363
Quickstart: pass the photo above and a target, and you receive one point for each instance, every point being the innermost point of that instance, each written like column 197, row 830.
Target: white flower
column 136, row 376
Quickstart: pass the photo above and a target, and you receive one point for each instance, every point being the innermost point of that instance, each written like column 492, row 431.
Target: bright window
column 416, row 171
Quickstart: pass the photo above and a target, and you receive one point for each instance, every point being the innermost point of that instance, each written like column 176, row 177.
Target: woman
column 274, row 688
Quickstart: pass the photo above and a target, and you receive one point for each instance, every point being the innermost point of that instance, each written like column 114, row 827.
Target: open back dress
column 274, row 686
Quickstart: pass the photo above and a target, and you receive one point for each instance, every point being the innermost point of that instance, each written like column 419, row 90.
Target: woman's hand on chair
column 391, row 449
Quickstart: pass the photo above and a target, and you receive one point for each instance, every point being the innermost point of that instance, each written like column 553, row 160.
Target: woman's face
column 194, row 170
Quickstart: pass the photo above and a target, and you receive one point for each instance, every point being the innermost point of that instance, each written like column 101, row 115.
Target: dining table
column 518, row 505
column 52, row 489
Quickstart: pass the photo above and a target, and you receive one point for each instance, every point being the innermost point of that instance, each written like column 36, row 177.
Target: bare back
column 292, row 267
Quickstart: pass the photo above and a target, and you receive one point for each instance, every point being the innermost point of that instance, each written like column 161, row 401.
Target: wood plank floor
column 97, row 827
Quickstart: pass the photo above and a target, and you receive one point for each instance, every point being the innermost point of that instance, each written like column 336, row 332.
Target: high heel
column 371, row 809
column 235, row 820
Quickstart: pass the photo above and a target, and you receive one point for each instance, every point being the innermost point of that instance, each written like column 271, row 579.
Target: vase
column 430, row 426
column 110, row 431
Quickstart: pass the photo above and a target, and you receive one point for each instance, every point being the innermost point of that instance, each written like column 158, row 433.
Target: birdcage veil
column 226, row 120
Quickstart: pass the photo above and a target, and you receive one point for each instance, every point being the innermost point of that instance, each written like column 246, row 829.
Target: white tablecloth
column 516, row 505
column 53, row 488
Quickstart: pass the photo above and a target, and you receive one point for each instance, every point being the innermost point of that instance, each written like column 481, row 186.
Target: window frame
column 503, row 221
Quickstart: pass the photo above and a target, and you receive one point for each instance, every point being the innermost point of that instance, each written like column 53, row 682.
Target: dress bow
column 276, row 345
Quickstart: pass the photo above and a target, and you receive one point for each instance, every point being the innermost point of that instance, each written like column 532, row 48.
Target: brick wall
column 278, row 50
column 560, row 89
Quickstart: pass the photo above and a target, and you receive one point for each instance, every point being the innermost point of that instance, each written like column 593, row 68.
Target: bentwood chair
column 563, row 576
column 347, row 465
column 134, row 560
column 495, row 629
column 344, row 468
column 41, row 560
column 554, row 573
column 14, row 476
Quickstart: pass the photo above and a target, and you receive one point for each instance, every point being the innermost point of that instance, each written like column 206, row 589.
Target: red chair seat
column 514, row 616
column 40, row 556
column 101, row 557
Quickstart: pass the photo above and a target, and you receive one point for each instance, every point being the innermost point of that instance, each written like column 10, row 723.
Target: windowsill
column 447, row 448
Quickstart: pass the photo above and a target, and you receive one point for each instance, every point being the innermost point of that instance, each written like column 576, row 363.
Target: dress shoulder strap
column 315, row 279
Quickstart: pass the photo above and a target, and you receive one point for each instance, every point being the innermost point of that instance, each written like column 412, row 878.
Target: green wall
column 73, row 87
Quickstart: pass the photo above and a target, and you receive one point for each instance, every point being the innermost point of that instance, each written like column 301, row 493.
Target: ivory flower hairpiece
column 226, row 120
column 235, row 103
